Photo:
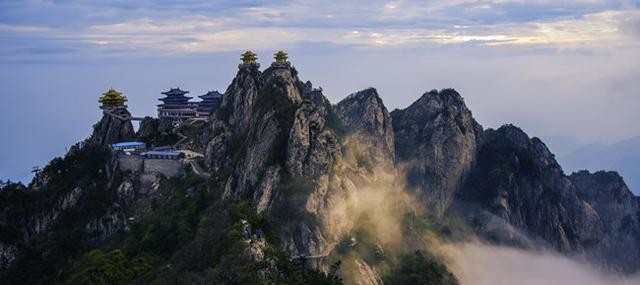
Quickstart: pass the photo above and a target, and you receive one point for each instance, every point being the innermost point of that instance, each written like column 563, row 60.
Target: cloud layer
column 44, row 29
column 475, row 263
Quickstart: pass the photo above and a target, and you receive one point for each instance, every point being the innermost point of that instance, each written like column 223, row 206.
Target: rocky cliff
column 72, row 203
column 436, row 144
column 519, row 186
column 264, row 138
column 369, row 127
column 115, row 126
column 619, row 211
column 301, row 183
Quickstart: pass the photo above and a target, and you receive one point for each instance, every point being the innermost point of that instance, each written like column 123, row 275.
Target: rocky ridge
column 436, row 144
column 278, row 144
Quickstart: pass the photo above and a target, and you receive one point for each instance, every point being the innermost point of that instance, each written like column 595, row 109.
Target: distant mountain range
column 623, row 157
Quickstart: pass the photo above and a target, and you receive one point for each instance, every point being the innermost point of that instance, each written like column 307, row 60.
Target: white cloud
column 480, row 264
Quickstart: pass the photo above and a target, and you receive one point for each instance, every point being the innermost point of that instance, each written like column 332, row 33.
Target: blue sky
column 554, row 68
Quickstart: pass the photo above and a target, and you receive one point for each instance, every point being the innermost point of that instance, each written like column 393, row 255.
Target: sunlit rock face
column 369, row 127
column 265, row 140
column 436, row 144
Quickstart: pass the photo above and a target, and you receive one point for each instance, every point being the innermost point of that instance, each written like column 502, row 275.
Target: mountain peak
column 437, row 139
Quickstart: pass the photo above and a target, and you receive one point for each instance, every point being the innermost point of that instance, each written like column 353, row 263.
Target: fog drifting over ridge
column 475, row 263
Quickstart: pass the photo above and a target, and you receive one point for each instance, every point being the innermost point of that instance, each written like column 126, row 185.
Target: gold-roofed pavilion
column 112, row 98
column 281, row 57
column 249, row 57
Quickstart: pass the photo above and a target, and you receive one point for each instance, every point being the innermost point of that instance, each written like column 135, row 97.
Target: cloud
column 213, row 27
column 475, row 263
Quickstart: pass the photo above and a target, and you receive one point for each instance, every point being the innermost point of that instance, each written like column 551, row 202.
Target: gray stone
column 436, row 143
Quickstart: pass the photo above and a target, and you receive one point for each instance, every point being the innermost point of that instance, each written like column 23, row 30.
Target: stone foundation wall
column 166, row 167
column 132, row 163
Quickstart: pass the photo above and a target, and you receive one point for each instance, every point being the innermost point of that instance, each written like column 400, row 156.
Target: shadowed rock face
column 619, row 211
column 111, row 130
column 148, row 127
column 368, row 124
column 436, row 142
column 518, row 182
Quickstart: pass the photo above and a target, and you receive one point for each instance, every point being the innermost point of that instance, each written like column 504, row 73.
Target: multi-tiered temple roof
column 281, row 60
column 175, row 99
column 248, row 57
column 176, row 106
column 112, row 99
column 210, row 102
column 281, row 57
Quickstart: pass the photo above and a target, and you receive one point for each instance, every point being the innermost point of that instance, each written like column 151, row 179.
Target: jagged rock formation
column 277, row 146
column 111, row 128
column 366, row 274
column 436, row 142
column 368, row 122
column 518, row 180
column 311, row 146
column 619, row 212
column 263, row 138
column 233, row 116
column 148, row 127
column 69, row 193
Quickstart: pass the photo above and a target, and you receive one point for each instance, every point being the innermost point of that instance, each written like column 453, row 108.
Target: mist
column 476, row 263
column 373, row 216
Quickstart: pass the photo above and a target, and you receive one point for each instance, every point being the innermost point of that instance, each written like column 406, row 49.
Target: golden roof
column 248, row 57
column 281, row 57
column 112, row 97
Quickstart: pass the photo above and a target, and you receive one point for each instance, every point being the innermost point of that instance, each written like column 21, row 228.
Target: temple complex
column 210, row 102
column 176, row 106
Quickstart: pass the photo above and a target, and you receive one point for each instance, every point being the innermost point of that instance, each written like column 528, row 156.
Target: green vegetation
column 184, row 233
column 420, row 269
column 294, row 193
column 103, row 268
column 499, row 162
column 334, row 123
column 79, row 178
column 162, row 138
column 362, row 161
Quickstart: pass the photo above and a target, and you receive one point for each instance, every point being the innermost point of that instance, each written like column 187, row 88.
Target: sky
column 554, row 68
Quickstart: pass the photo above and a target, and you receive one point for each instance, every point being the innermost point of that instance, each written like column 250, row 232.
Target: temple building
column 176, row 106
column 281, row 59
column 249, row 59
column 209, row 103
column 112, row 99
